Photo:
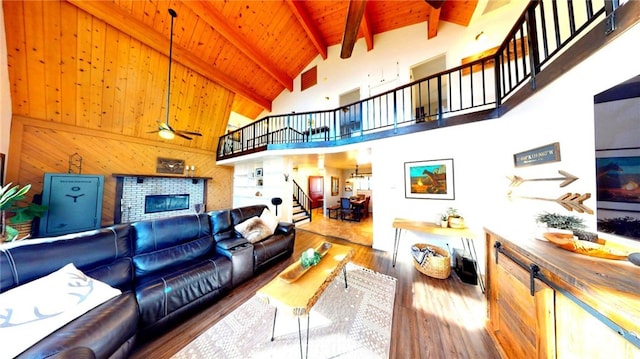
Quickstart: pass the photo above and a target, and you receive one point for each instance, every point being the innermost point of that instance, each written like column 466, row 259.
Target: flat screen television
column 617, row 136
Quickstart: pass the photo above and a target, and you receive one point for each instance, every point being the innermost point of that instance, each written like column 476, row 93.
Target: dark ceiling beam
column 432, row 23
column 307, row 24
column 219, row 24
column 365, row 27
column 351, row 26
column 436, row 4
column 119, row 19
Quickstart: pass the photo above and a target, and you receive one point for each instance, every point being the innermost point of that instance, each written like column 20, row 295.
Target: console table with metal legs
column 465, row 235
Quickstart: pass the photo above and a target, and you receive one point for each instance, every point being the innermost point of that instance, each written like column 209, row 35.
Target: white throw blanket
column 34, row 310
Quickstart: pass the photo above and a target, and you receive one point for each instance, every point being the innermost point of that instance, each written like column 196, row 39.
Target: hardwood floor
column 433, row 318
column 360, row 232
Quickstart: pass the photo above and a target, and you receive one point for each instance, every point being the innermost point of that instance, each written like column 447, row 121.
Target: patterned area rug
column 353, row 322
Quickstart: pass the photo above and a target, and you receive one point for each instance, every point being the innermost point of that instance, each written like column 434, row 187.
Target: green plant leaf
column 11, row 233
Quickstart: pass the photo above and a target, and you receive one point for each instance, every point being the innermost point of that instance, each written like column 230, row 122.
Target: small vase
column 444, row 224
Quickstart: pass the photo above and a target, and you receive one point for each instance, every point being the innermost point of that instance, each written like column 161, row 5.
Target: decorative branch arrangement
column 570, row 201
column 566, row 179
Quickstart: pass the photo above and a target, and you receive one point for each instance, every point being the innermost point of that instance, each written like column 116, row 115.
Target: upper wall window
column 309, row 78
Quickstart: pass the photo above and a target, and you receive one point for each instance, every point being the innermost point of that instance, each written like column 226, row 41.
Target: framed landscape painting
column 617, row 179
column 429, row 179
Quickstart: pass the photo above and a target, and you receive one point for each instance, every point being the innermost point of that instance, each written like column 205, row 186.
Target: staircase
column 299, row 214
column 301, row 205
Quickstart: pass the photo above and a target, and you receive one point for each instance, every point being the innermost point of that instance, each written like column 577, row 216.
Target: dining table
column 358, row 204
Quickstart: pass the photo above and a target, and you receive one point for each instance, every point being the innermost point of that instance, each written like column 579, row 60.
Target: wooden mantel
column 157, row 176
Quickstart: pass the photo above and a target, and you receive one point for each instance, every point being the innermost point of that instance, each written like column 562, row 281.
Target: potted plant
column 444, row 220
column 12, row 201
column 560, row 221
column 455, row 219
column 566, row 224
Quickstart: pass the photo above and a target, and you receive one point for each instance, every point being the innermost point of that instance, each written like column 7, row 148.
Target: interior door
column 350, row 116
column 316, row 191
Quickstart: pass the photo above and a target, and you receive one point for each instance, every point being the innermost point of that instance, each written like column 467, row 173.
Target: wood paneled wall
column 69, row 67
column 43, row 146
column 79, row 85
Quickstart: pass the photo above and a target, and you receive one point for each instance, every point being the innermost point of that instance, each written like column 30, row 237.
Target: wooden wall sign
column 537, row 156
column 170, row 165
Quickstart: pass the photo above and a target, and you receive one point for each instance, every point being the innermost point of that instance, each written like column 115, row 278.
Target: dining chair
column 347, row 212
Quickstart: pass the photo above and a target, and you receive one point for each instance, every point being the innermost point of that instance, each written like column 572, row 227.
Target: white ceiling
column 340, row 160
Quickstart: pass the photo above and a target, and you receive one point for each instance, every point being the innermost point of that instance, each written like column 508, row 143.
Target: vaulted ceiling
column 257, row 48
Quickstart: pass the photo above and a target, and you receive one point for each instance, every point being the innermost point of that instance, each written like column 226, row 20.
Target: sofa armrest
column 229, row 243
column 285, row 228
column 240, row 252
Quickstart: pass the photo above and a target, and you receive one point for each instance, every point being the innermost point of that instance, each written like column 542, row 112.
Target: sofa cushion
column 109, row 330
column 181, row 254
column 269, row 219
column 221, row 224
column 254, row 229
column 170, row 242
column 36, row 309
column 157, row 234
column 272, row 248
column 241, row 214
column 23, row 261
column 165, row 292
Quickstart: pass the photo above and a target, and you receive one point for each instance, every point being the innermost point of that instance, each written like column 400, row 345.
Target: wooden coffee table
column 301, row 295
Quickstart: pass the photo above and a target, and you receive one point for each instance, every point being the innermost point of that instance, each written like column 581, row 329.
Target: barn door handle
column 533, row 273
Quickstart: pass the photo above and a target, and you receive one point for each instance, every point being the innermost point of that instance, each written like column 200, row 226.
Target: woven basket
column 436, row 267
column 23, row 229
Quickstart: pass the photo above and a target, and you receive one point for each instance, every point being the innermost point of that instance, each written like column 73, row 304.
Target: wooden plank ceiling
column 102, row 65
column 256, row 48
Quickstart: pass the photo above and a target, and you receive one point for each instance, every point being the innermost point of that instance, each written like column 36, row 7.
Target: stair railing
column 301, row 197
column 544, row 30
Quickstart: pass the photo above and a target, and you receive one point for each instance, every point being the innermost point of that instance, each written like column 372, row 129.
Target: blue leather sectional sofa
column 166, row 268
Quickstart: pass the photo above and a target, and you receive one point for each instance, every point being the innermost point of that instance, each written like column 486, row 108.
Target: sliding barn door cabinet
column 545, row 302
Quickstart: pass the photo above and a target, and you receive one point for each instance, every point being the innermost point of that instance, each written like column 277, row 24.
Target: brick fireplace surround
column 132, row 189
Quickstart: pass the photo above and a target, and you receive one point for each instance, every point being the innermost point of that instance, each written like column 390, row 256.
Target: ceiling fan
column 164, row 129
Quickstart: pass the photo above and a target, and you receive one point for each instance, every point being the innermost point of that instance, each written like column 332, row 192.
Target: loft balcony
column 547, row 39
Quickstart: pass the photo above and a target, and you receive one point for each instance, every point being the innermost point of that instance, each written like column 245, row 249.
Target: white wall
column 387, row 65
column 482, row 152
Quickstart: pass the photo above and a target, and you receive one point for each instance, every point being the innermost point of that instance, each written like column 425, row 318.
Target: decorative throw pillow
column 38, row 308
column 253, row 229
column 269, row 219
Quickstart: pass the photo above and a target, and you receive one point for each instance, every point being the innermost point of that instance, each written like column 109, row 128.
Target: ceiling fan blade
column 183, row 136
column 351, row 26
column 156, row 131
column 189, row 133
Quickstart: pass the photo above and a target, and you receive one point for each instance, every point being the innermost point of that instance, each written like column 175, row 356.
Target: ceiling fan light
column 166, row 134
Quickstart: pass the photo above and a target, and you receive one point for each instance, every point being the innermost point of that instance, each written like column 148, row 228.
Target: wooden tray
column 295, row 271
column 594, row 249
